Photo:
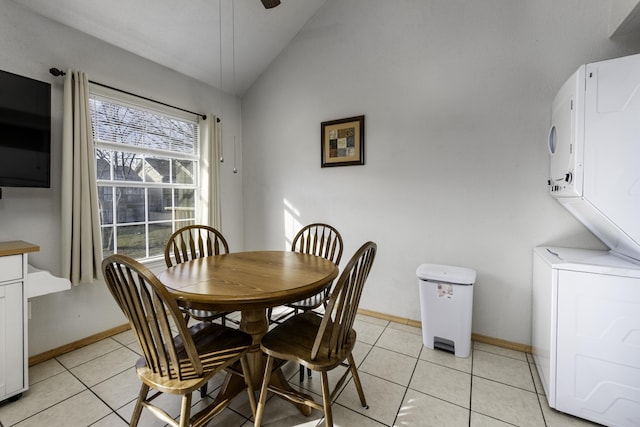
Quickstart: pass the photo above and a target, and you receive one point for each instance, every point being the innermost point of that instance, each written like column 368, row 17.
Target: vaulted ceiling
column 224, row 43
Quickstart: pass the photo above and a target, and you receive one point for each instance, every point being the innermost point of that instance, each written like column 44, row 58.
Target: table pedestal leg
column 255, row 323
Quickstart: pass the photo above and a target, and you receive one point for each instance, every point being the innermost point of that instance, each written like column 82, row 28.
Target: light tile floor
column 405, row 384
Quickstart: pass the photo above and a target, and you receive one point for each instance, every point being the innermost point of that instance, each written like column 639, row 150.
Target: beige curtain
column 80, row 228
column 210, row 147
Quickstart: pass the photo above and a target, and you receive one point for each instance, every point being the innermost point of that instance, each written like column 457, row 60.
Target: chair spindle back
column 151, row 309
column 343, row 304
column 319, row 239
column 194, row 241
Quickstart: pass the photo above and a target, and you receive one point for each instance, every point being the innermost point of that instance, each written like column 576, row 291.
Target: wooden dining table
column 249, row 282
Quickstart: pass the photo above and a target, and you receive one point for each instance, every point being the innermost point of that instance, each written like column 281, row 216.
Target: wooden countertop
column 16, row 247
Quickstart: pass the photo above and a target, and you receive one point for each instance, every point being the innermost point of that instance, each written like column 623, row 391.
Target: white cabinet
column 13, row 318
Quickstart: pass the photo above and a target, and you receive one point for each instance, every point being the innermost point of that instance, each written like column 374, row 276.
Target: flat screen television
column 25, row 132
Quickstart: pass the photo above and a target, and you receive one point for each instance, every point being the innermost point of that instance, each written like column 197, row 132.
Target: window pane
column 185, row 198
column 130, row 204
column 158, row 236
column 160, row 205
column 107, row 241
column 183, row 135
column 185, row 204
column 128, row 166
column 132, row 241
column 156, row 169
column 127, row 125
column 183, row 172
column 116, row 123
column 104, row 161
column 132, row 132
column 105, row 204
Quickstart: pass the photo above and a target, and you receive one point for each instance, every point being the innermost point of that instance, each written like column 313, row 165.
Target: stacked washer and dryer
column 586, row 303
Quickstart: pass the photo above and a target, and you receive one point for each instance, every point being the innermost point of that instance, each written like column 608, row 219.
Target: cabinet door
column 598, row 373
column 11, row 339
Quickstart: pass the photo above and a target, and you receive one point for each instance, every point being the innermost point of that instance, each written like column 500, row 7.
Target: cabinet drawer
column 10, row 268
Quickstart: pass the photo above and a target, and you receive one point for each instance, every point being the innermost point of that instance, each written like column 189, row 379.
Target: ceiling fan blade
column 268, row 4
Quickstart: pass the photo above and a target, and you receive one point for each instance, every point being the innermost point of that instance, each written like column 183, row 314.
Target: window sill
column 156, row 265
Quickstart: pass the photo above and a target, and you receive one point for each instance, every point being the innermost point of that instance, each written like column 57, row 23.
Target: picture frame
column 342, row 142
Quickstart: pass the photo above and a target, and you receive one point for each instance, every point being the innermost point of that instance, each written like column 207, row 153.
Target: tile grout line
column 344, row 387
column 473, row 356
column 87, row 388
column 535, row 387
column 488, row 379
column 507, row 384
column 56, row 403
column 47, row 408
column 113, row 410
column 406, row 389
column 357, row 367
column 502, row 355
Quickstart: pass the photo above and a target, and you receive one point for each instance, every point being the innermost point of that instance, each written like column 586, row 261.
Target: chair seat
column 218, row 346
column 294, row 339
column 306, row 304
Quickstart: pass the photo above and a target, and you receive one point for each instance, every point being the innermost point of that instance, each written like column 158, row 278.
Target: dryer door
column 566, row 138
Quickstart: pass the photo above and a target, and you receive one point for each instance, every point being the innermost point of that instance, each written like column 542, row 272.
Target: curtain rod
column 56, row 72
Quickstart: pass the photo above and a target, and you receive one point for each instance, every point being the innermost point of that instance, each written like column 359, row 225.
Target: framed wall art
column 342, row 142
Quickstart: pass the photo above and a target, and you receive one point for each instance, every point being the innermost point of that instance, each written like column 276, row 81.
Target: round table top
column 248, row 280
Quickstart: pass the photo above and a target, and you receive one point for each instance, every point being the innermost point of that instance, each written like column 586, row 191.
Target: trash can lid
column 446, row 274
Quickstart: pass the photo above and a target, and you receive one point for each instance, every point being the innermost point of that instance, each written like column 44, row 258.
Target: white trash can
column 446, row 303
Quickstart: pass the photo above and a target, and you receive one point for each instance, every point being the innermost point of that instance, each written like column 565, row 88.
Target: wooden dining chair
column 321, row 240
column 321, row 343
column 175, row 365
column 192, row 242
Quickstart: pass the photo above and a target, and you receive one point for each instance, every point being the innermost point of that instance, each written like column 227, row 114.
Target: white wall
column 30, row 45
column 457, row 99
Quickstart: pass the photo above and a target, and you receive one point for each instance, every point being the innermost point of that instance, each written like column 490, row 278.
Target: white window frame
column 201, row 170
